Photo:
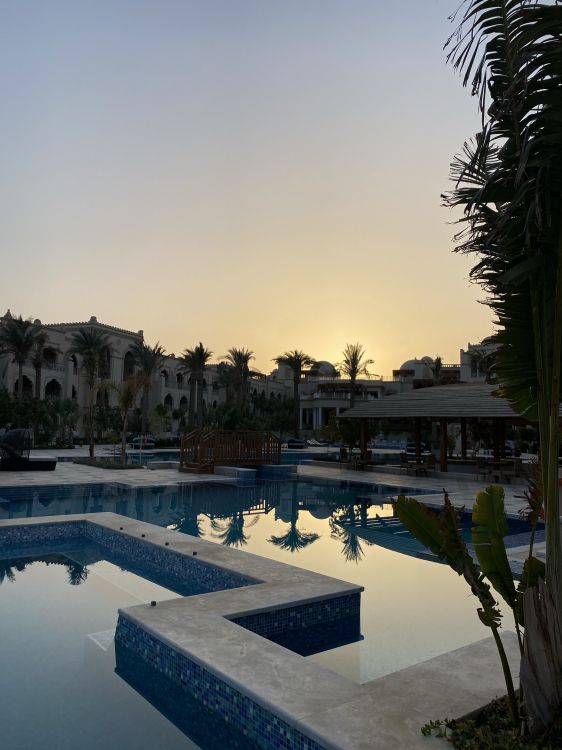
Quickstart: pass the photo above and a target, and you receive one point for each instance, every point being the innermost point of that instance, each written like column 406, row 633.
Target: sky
column 254, row 173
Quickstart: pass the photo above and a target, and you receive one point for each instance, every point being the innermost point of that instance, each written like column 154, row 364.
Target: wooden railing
column 203, row 451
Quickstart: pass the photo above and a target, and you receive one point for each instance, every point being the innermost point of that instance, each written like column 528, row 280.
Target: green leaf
column 487, row 537
column 421, row 522
column 532, row 571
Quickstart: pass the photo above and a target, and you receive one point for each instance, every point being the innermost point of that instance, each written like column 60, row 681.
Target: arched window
column 179, row 381
column 74, row 364
column 165, row 375
column 169, row 402
column 128, row 365
column 49, row 357
column 74, row 395
column 183, row 403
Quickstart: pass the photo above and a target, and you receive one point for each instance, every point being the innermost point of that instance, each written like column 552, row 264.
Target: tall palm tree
column 353, row 365
column 127, row 393
column 239, row 360
column 194, row 361
column 18, row 337
column 38, row 359
column 91, row 346
column 296, row 360
column 508, row 181
column 148, row 360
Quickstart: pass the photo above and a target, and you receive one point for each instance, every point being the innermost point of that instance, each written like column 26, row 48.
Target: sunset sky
column 256, row 173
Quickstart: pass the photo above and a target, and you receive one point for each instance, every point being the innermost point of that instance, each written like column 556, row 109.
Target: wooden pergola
column 445, row 404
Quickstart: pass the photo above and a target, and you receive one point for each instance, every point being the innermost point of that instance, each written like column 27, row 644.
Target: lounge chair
column 427, row 464
column 15, row 446
column 405, row 464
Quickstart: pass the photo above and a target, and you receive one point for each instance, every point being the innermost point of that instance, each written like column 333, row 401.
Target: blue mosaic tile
column 177, row 564
column 262, row 728
column 41, row 532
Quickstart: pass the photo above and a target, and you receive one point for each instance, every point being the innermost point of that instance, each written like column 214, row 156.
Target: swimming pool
column 58, row 686
column 327, row 527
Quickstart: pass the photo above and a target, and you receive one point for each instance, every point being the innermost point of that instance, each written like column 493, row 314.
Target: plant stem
column 511, row 698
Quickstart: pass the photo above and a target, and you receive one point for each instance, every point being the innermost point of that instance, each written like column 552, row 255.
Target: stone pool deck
column 280, row 698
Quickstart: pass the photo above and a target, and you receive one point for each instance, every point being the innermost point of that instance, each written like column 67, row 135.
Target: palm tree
column 149, row 360
column 127, row 393
column 67, row 415
column 90, row 345
column 353, row 365
column 19, row 337
column 239, row 360
column 194, row 361
column 508, row 180
column 37, row 360
column 226, row 378
column 436, row 369
column 296, row 360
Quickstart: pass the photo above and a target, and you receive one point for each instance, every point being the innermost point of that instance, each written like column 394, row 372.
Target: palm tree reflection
column 343, row 528
column 232, row 532
column 76, row 572
column 8, row 569
column 294, row 539
column 187, row 521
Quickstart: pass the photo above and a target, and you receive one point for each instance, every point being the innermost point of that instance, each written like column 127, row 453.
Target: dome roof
column 410, row 364
column 325, row 368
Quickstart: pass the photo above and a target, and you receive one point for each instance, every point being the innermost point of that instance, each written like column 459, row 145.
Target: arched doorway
column 53, row 391
column 27, row 387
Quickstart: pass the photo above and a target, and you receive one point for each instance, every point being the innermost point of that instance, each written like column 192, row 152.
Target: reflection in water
column 186, row 520
column 222, row 511
column 294, row 539
column 77, row 573
column 342, row 528
column 232, row 533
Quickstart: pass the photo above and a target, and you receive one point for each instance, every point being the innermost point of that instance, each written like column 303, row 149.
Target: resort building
column 59, row 375
column 324, row 394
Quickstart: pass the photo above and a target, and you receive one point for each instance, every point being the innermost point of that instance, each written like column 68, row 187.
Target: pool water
column 58, row 686
column 412, row 608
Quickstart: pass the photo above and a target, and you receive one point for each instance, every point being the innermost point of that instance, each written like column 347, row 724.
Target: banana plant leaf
column 533, row 570
column 440, row 533
column 488, row 534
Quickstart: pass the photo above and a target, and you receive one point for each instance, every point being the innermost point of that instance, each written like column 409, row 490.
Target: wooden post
column 417, row 437
column 363, row 439
column 463, row 438
column 443, row 445
column 497, row 440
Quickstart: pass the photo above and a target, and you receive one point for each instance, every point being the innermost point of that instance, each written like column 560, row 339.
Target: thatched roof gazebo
column 447, row 403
